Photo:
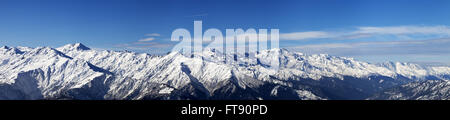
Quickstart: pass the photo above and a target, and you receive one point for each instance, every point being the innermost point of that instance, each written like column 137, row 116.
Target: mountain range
column 75, row 71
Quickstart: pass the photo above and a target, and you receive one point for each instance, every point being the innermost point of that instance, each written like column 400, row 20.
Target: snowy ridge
column 75, row 71
column 44, row 72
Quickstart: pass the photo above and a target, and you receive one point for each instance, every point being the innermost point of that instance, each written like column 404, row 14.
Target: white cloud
column 365, row 32
column 304, row 35
column 434, row 46
column 143, row 45
column 397, row 30
column 147, row 39
column 153, row 35
column 435, row 51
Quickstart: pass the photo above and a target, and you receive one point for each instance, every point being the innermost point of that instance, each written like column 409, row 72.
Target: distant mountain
column 75, row 71
column 424, row 90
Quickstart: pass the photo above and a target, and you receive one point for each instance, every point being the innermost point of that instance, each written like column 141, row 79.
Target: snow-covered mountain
column 75, row 71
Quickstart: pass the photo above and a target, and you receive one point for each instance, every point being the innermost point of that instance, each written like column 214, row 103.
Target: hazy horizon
column 374, row 31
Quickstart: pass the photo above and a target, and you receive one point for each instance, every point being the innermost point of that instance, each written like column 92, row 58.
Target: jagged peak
column 75, row 46
column 11, row 50
column 24, row 49
column 277, row 50
column 392, row 63
column 47, row 51
column 4, row 47
column 80, row 46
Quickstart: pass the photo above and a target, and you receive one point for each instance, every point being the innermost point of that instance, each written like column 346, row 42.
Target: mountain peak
column 76, row 46
column 4, row 47
column 80, row 46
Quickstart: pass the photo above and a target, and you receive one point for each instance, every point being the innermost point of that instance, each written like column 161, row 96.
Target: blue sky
column 370, row 30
